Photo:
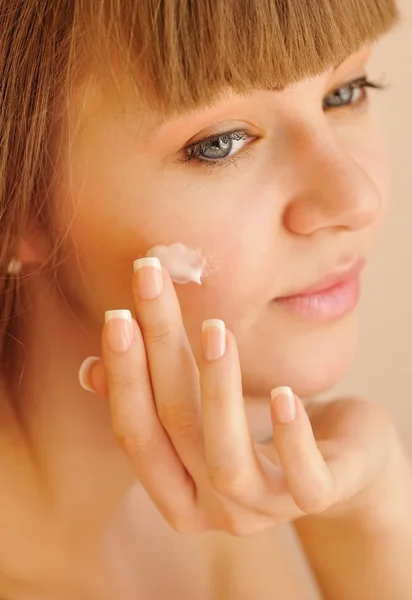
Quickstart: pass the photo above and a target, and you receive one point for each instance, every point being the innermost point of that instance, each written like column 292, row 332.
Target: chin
column 310, row 362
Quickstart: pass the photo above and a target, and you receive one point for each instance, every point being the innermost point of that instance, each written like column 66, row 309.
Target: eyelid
column 237, row 135
column 345, row 83
column 242, row 128
column 356, row 82
column 361, row 81
column 186, row 156
column 223, row 127
column 198, row 140
column 361, row 84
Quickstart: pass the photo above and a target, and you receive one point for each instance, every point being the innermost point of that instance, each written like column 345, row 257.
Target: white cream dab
column 184, row 264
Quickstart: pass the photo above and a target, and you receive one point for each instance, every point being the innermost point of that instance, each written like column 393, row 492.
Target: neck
column 68, row 428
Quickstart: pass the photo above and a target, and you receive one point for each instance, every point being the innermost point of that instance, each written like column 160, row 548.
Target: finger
column 309, row 480
column 173, row 370
column 134, row 418
column 229, row 451
column 92, row 377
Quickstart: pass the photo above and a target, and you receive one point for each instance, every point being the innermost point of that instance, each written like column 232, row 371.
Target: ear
column 32, row 248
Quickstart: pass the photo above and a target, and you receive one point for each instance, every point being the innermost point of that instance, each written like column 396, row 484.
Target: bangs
column 183, row 53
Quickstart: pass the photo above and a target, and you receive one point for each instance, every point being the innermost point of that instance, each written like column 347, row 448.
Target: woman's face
column 298, row 199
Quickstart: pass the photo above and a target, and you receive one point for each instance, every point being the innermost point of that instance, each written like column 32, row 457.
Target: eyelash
column 357, row 84
column 192, row 153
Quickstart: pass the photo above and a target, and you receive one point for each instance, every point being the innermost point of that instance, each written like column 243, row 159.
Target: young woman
column 146, row 148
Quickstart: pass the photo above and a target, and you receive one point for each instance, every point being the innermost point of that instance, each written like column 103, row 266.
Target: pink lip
column 332, row 297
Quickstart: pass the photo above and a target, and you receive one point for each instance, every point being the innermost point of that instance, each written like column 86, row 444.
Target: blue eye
column 353, row 93
column 218, row 147
column 221, row 149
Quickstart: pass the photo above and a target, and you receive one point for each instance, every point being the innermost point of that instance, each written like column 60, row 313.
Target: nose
column 332, row 191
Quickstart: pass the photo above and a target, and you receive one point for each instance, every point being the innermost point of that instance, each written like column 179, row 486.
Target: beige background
column 383, row 367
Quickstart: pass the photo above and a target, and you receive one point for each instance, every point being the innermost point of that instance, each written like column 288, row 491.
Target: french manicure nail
column 213, row 339
column 149, row 277
column 283, row 404
column 84, row 373
column 119, row 330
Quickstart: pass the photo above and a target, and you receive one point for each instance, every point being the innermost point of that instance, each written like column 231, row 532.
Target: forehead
column 178, row 58
column 96, row 108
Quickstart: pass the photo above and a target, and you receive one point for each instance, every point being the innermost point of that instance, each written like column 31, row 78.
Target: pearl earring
column 14, row 267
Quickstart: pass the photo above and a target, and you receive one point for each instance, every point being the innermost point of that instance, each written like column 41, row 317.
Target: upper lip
column 336, row 277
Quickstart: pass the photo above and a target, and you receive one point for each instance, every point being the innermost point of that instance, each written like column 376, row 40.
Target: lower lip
column 332, row 303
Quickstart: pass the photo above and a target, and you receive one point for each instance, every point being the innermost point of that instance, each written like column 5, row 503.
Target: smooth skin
column 305, row 196
column 186, row 433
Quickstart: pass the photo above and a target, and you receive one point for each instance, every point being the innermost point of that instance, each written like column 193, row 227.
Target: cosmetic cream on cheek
column 184, row 264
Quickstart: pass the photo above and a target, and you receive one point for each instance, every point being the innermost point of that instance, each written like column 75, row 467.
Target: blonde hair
column 178, row 54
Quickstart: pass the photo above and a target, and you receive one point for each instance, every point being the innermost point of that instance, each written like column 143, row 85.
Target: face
column 287, row 191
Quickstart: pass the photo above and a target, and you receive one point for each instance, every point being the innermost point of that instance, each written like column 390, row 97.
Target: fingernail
column 213, row 339
column 119, row 330
column 149, row 277
column 84, row 373
column 283, row 404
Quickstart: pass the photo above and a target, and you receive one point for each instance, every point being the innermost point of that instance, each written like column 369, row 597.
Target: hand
column 185, row 431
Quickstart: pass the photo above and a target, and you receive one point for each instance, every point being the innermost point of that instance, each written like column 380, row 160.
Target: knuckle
column 179, row 524
column 186, row 523
column 159, row 332
column 231, row 482
column 238, row 527
column 239, row 530
column 139, row 448
column 178, row 418
column 216, row 395
column 317, row 503
column 298, row 454
column 122, row 379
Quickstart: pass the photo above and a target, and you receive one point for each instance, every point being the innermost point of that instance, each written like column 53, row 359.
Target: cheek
column 375, row 162
column 241, row 246
column 122, row 211
column 368, row 148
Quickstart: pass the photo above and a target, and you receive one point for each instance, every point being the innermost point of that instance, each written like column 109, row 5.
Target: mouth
column 332, row 297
